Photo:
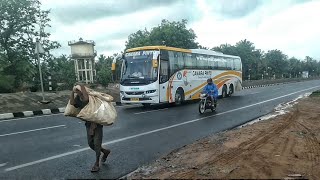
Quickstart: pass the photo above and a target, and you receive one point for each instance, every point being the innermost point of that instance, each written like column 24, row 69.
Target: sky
column 291, row 26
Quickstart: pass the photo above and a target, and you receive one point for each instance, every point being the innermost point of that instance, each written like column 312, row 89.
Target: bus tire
column 231, row 90
column 179, row 97
column 224, row 91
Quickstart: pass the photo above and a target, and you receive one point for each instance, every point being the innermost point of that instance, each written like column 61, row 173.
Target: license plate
column 134, row 99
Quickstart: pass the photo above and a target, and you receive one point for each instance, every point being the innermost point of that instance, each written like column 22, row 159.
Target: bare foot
column 105, row 155
column 95, row 168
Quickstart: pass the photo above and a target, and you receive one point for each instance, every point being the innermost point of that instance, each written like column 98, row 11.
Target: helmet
column 209, row 80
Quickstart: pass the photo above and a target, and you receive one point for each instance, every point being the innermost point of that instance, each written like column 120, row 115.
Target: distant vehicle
column 161, row 74
column 305, row 74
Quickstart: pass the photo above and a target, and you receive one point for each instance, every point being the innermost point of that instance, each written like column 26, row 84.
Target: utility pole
column 39, row 50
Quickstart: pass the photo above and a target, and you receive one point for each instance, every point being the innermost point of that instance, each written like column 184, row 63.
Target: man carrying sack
column 94, row 130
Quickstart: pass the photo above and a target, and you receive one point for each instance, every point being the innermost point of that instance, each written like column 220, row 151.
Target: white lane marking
column 21, row 132
column 3, row 164
column 19, row 119
column 148, row 132
column 143, row 112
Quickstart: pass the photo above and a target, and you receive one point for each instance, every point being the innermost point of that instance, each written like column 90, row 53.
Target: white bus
column 161, row 74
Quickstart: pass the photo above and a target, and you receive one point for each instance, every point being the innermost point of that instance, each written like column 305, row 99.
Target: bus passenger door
column 163, row 80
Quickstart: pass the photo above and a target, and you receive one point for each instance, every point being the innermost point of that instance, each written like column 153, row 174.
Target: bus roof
column 196, row 51
column 210, row 52
column 158, row 48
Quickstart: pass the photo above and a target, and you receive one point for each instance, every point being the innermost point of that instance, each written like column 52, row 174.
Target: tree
column 295, row 66
column 246, row 51
column 310, row 65
column 137, row 39
column 203, row 47
column 104, row 74
column 168, row 33
column 277, row 61
column 61, row 70
column 21, row 21
column 226, row 49
column 250, row 56
column 6, row 83
column 257, row 63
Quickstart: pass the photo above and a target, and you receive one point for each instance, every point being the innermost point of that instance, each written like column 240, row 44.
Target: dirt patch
column 286, row 146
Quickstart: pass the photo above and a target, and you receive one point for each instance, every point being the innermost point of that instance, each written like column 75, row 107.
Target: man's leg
column 97, row 141
column 106, row 152
column 211, row 100
column 215, row 102
column 89, row 138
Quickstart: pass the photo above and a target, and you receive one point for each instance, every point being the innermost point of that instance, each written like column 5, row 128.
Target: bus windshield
column 137, row 69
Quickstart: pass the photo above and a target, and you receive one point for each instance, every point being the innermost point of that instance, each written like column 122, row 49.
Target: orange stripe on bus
column 215, row 81
column 219, row 85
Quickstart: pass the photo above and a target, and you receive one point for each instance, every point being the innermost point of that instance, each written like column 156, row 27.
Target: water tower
column 83, row 54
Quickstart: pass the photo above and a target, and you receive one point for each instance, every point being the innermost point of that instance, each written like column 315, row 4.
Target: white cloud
column 290, row 28
column 285, row 25
column 110, row 33
column 294, row 30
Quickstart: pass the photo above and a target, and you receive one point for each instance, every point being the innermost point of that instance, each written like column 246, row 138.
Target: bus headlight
column 150, row 91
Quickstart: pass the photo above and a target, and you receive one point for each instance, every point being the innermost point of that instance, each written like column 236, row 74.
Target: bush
column 104, row 76
column 6, row 83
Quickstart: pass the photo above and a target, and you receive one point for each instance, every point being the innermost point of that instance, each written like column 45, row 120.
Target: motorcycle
column 205, row 103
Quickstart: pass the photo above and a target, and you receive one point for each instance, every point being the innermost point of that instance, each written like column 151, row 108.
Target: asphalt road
column 55, row 147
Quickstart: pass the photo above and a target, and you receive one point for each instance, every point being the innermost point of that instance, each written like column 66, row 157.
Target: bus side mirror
column 154, row 63
column 113, row 70
column 113, row 66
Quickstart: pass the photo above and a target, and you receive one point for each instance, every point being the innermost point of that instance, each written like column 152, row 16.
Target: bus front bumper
column 139, row 100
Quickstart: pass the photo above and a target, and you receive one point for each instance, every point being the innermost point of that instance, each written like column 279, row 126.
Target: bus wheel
column 231, row 90
column 224, row 91
column 179, row 97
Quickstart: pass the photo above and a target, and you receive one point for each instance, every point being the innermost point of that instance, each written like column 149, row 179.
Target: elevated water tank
column 83, row 54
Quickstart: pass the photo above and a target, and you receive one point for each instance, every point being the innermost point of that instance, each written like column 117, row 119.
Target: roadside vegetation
column 23, row 21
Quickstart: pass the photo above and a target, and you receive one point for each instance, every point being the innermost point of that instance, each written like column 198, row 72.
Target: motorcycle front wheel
column 202, row 107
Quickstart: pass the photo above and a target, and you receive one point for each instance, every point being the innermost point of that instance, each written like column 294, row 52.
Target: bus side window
column 173, row 63
column 164, row 71
column 233, row 64
column 194, row 62
column 228, row 63
column 180, row 60
column 216, row 65
column 205, row 62
column 215, row 62
column 164, row 55
column 237, row 63
column 211, row 63
column 188, row 61
column 221, row 63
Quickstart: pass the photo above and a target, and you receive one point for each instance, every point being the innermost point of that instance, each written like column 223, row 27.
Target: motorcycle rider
column 212, row 91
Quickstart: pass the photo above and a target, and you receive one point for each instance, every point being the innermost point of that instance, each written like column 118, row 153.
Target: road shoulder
column 286, row 146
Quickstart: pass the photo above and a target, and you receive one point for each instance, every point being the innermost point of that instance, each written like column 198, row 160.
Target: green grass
column 316, row 93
